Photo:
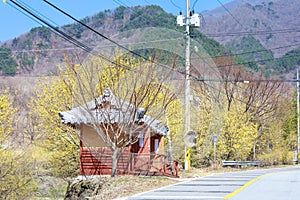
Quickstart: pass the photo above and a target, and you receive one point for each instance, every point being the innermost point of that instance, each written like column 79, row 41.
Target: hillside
column 267, row 29
column 40, row 50
column 273, row 22
column 265, row 38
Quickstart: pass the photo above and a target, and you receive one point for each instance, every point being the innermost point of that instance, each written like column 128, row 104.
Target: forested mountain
column 262, row 35
column 262, row 30
column 40, row 50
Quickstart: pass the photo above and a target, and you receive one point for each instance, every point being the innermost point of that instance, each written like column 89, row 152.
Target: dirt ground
column 108, row 188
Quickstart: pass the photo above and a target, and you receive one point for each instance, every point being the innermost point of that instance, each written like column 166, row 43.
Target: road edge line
column 228, row 196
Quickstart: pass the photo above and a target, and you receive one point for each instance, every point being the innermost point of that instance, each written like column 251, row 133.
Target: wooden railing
column 153, row 164
column 99, row 161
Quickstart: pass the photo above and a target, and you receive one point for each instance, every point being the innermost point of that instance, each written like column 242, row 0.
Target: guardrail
column 240, row 164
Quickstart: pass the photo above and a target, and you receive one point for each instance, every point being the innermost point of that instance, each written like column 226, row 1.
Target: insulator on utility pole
column 180, row 20
column 195, row 20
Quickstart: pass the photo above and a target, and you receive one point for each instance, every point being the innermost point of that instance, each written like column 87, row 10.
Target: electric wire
column 237, row 21
column 260, row 32
column 250, row 33
column 72, row 48
column 93, row 30
column 249, row 62
column 260, row 50
column 31, row 16
column 65, row 36
column 42, row 15
column 181, row 73
column 243, row 53
column 227, row 54
column 103, row 36
column 220, row 91
column 175, row 5
column 88, row 49
column 194, row 4
column 27, row 15
column 147, row 1
column 253, row 62
column 75, row 42
column 250, row 52
column 80, row 45
column 36, row 11
column 120, row 3
column 245, row 63
column 127, row 1
column 246, row 80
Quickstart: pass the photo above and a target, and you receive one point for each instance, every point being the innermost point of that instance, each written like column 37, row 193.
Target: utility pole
column 187, row 82
column 298, row 113
column 190, row 21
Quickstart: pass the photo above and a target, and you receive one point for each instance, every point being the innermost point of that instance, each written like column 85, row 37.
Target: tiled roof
column 120, row 112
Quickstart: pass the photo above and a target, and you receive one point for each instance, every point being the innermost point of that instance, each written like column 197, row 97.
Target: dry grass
column 108, row 188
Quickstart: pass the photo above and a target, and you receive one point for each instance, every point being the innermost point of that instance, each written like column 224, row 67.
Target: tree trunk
column 256, row 140
column 254, row 150
column 170, row 155
column 114, row 162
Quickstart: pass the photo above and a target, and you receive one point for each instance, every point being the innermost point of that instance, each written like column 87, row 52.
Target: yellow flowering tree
column 15, row 166
column 237, row 135
column 59, row 144
column 139, row 84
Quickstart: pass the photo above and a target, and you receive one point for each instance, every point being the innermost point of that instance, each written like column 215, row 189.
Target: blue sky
column 13, row 23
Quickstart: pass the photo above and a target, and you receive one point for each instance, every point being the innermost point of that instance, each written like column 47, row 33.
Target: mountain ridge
column 257, row 16
column 39, row 50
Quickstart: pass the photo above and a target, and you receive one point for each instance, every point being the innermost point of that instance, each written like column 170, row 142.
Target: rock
column 84, row 189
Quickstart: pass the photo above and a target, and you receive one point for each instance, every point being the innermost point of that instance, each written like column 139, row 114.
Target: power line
column 120, row 3
column 88, row 49
column 231, row 15
column 152, row 41
column 147, row 1
column 36, row 11
column 251, row 52
column 253, row 62
column 64, row 35
column 70, row 39
column 82, row 45
column 253, row 33
column 74, row 48
column 261, row 32
column 93, row 30
column 247, row 80
column 194, row 4
column 107, row 38
column 26, row 14
column 262, row 50
column 175, row 5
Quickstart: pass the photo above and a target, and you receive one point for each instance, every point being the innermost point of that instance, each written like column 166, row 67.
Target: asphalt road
column 281, row 185
column 278, row 183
